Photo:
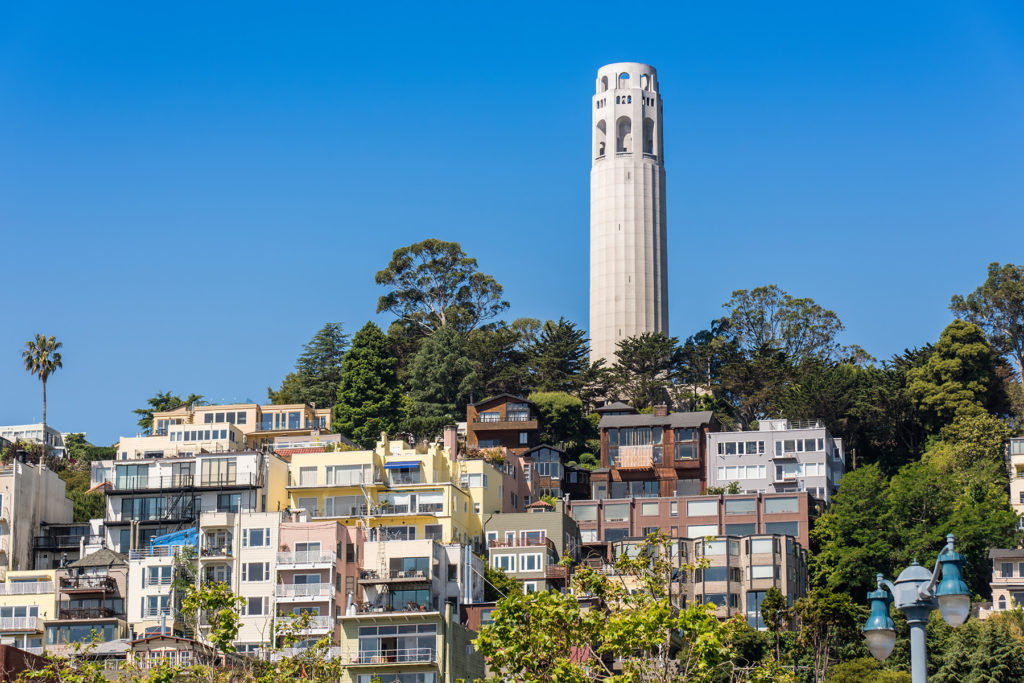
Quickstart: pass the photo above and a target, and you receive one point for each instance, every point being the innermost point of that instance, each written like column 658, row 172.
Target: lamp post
column 916, row 593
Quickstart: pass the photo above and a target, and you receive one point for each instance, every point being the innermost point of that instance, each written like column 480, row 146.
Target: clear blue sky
column 188, row 191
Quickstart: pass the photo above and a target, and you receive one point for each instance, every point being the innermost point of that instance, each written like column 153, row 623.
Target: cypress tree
column 369, row 396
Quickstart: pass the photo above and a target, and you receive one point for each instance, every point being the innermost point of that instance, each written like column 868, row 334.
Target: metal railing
column 510, row 417
column 177, row 481
column 333, row 652
column 157, row 612
column 218, row 550
column 64, row 541
column 20, row 624
column 310, row 623
column 414, row 574
column 522, row 542
column 88, row 583
column 408, row 655
column 307, row 557
column 88, row 613
column 304, row 590
column 26, row 588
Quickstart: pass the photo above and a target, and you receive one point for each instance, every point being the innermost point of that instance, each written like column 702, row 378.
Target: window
column 255, row 607
column 218, row 471
column 649, row 509
column 588, row 535
column 156, row 606
column 743, row 506
column 256, row 571
column 1006, row 570
column 686, row 451
column 701, row 530
column 228, row 502
column 476, row 508
column 673, row 509
column 132, row 477
column 615, row 534
column 159, row 576
column 616, row 512
column 781, row 505
column 531, row 563
column 702, row 508
column 255, row 538
column 506, row 563
column 433, row 531
column 754, row 599
column 307, row 476
column 524, row 438
column 764, row 571
column 786, row 528
column 741, row 529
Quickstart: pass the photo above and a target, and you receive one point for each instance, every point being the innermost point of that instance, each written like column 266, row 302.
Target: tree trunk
column 45, row 448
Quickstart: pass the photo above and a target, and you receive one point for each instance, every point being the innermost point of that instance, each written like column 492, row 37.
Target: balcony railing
column 522, row 542
column 327, row 653
column 307, row 557
column 87, row 613
column 408, row 575
column 409, row 655
column 26, row 588
column 556, row 571
column 157, row 612
column 217, row 550
column 88, row 583
column 509, row 417
column 312, row 623
column 20, row 624
column 56, row 542
column 304, row 590
column 178, row 481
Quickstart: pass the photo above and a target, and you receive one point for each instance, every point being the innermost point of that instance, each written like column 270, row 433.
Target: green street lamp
column 916, row 593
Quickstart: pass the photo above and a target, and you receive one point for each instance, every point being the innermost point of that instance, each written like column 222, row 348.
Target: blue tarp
column 401, row 465
column 184, row 537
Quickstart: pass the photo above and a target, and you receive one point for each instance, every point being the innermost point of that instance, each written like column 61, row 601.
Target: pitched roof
column 101, row 558
column 673, row 420
column 497, row 396
column 614, row 407
column 996, row 553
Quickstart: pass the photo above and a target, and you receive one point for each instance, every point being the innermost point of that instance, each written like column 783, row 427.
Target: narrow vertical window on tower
column 624, row 135
column 600, row 134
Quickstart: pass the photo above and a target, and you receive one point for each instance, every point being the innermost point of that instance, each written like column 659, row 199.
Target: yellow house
column 27, row 598
column 398, row 492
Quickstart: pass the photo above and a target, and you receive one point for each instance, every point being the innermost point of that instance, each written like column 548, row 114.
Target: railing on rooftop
column 26, row 588
column 64, row 541
column 88, row 583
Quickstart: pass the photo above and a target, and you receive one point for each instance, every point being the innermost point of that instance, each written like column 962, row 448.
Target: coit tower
column 628, row 257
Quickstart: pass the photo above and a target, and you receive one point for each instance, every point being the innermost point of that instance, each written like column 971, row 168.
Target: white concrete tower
column 628, row 257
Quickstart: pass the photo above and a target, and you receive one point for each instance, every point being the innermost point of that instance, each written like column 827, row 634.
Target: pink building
column 317, row 570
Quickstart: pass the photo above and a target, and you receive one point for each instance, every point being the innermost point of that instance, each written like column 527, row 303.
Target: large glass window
column 702, row 508
column 132, row 476
column 616, row 512
column 701, row 530
column 781, row 505
column 741, row 529
column 218, row 471
column 754, row 599
column 584, row 513
column 787, row 528
column 742, row 506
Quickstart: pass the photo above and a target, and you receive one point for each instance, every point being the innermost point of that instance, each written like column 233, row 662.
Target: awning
column 401, row 465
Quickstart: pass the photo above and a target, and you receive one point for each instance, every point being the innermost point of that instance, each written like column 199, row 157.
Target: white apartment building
column 33, row 433
column 779, row 457
column 152, row 494
column 37, row 494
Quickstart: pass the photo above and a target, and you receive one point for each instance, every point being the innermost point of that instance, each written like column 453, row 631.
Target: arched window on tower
column 1002, row 603
column 604, row 83
column 648, row 136
column 645, row 82
column 623, row 80
column 624, row 135
column 600, row 137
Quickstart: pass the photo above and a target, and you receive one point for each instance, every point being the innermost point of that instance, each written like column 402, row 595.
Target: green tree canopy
column 646, row 367
column 559, row 359
column 434, row 284
column 160, row 402
column 317, row 370
column 997, row 307
column 369, row 399
column 959, row 377
column 501, row 354
column 562, row 420
column 769, row 318
column 42, row 358
column 442, row 380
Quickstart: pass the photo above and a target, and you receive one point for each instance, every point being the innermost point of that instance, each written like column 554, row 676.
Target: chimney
column 451, row 441
column 661, row 410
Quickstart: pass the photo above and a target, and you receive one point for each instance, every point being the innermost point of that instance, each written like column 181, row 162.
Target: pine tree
column 369, row 395
column 559, row 357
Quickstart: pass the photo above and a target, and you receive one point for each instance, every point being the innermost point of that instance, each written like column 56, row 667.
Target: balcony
column 306, row 558
column 557, row 572
column 88, row 584
column 419, row 655
column 88, row 613
column 523, row 542
column 158, row 613
column 312, row 624
column 368, row 480
column 333, row 652
column 21, row 624
column 635, row 457
column 511, row 422
column 371, row 576
column 26, row 588
column 183, row 481
column 64, row 542
column 217, row 550
column 304, row 591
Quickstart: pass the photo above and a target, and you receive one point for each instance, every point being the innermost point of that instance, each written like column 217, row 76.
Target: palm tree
column 42, row 358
